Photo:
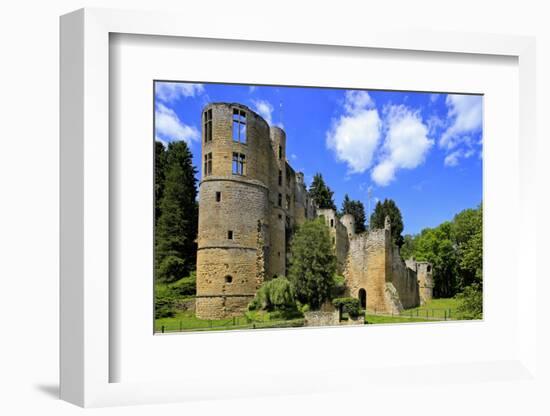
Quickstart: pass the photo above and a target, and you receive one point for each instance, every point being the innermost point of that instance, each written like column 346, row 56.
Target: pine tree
column 357, row 209
column 160, row 164
column 321, row 193
column 176, row 231
column 378, row 217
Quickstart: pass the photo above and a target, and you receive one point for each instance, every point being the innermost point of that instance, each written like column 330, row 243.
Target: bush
column 470, row 302
column 171, row 269
column 339, row 287
column 274, row 295
column 351, row 306
column 164, row 302
column 186, row 286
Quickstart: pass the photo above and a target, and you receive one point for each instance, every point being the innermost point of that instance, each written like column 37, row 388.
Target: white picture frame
column 86, row 356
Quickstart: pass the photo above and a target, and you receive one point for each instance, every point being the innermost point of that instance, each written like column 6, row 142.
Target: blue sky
column 423, row 150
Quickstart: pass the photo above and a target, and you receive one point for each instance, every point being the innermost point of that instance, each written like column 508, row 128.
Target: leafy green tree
column 176, row 231
column 468, row 237
column 313, row 263
column 408, row 248
column 378, row 217
column 321, row 193
column 471, row 302
column 455, row 248
column 357, row 209
column 436, row 246
column 160, row 164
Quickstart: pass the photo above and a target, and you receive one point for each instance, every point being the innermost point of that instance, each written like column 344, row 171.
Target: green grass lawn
column 436, row 308
column 383, row 319
column 187, row 321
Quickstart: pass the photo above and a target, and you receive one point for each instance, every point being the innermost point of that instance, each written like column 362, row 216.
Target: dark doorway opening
column 363, row 298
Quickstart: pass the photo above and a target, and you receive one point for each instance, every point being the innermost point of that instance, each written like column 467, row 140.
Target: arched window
column 429, row 268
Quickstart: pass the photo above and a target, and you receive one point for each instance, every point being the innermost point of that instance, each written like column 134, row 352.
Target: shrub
column 171, row 269
column 351, row 306
column 186, row 286
column 164, row 302
column 470, row 302
column 339, row 287
column 274, row 295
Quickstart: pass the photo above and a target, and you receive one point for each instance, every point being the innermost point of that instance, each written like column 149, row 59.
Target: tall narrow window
column 280, row 152
column 280, row 177
column 218, row 196
column 239, row 125
column 288, row 202
column 208, row 125
column 208, row 164
column 230, row 234
column 331, row 222
column 280, row 202
column 238, row 164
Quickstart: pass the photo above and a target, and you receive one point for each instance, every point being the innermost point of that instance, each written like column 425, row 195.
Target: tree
column 467, row 233
column 313, row 263
column 378, row 218
column 455, row 248
column 160, row 164
column 321, row 193
column 408, row 248
column 435, row 245
column 357, row 209
column 176, row 231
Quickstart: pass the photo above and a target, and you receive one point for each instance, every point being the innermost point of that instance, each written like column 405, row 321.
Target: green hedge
column 351, row 306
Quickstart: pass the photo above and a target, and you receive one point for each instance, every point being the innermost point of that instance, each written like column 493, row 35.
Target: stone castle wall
column 338, row 235
column 374, row 265
column 246, row 222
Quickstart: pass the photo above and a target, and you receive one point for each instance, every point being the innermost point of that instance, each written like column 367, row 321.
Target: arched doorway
column 363, row 298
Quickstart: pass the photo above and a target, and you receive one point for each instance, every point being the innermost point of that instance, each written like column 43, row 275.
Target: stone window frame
column 218, row 196
column 208, row 164
column 208, row 125
column 230, row 235
column 238, row 164
column 239, row 126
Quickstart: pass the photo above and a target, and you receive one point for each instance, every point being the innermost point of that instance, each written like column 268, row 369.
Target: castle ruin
column 250, row 202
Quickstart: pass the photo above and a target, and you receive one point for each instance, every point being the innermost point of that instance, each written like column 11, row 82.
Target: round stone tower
column 233, row 209
column 279, row 201
column 348, row 221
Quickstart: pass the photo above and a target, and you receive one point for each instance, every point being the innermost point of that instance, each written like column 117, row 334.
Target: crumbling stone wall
column 374, row 264
column 338, row 235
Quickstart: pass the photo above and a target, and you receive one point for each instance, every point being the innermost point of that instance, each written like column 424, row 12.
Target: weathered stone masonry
column 251, row 200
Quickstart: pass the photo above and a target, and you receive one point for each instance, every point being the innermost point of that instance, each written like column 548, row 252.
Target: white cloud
column 465, row 117
column 265, row 109
column 356, row 101
column 252, row 88
column 355, row 135
column 173, row 91
column 405, row 146
column 169, row 127
column 453, row 158
column 466, row 113
column 293, row 156
column 434, row 97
